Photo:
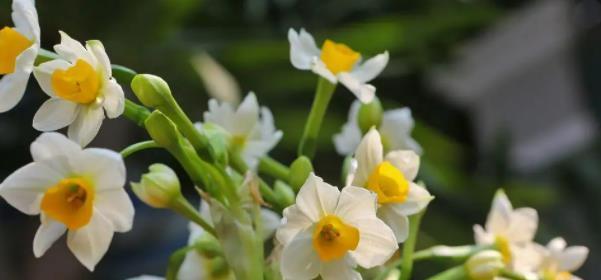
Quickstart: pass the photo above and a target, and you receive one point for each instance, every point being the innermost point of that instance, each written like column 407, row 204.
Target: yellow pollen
column 338, row 57
column 70, row 201
column 332, row 238
column 504, row 248
column 388, row 183
column 79, row 83
column 12, row 44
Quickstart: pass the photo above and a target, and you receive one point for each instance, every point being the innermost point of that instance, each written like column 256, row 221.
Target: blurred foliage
column 249, row 38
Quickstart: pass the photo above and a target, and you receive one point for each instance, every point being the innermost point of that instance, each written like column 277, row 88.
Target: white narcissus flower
column 251, row 127
column 511, row 231
column 395, row 131
column 337, row 63
column 560, row 261
column 391, row 177
column 81, row 90
column 329, row 232
column 74, row 190
column 19, row 47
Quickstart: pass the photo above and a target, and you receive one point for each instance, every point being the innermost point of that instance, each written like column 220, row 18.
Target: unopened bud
column 159, row 187
column 299, row 171
column 151, row 90
column 283, row 193
column 370, row 115
column 485, row 265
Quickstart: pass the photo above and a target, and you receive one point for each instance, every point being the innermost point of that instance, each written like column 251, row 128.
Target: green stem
column 136, row 113
column 267, row 193
column 384, row 273
column 274, row 168
column 175, row 262
column 184, row 208
column 323, row 94
column 454, row 273
column 454, row 253
column 409, row 245
column 134, row 148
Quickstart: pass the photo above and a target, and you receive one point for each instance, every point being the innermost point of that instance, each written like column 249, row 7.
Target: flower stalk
column 409, row 245
column 323, row 95
column 140, row 146
column 273, row 168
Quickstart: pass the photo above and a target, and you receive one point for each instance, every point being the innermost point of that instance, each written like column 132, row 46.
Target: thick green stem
column 134, row 148
column 409, row 245
column 323, row 94
column 455, row 273
column 274, row 168
column 184, row 208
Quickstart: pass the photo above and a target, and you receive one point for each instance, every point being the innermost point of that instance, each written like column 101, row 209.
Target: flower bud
column 485, row 265
column 151, row 90
column 370, row 115
column 159, row 187
column 162, row 130
column 299, row 171
column 283, row 193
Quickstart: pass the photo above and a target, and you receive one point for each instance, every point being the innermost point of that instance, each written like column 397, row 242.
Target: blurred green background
column 249, row 38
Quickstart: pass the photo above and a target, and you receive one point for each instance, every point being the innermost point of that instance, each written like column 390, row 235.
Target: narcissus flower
column 19, row 47
column 328, row 232
column 511, row 231
column 75, row 191
column 81, row 90
column 251, row 128
column 391, row 178
column 560, row 261
column 337, row 63
column 395, row 131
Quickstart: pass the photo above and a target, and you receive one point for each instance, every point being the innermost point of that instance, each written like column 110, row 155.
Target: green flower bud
column 218, row 140
column 151, row 90
column 346, row 168
column 283, row 193
column 159, row 187
column 485, row 265
column 370, row 115
column 162, row 130
column 208, row 246
column 299, row 171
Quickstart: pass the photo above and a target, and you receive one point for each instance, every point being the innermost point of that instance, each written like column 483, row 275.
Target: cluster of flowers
column 324, row 231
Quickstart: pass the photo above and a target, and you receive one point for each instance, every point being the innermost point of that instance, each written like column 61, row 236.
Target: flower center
column 12, row 44
column 332, row 238
column 504, row 248
column 388, row 183
column 70, row 202
column 338, row 57
column 79, row 83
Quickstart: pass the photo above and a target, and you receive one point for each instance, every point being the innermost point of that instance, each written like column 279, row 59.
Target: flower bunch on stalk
column 250, row 201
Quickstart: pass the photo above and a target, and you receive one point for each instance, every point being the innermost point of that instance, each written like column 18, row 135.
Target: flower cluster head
column 336, row 62
column 74, row 190
column 559, row 261
column 329, row 232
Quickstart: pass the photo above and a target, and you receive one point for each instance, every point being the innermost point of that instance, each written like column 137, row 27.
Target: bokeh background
column 505, row 94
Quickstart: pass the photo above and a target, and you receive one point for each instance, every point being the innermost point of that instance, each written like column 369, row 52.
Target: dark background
column 249, row 38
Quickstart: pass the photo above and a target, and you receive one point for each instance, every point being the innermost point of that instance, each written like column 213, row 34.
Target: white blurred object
column 219, row 83
column 520, row 78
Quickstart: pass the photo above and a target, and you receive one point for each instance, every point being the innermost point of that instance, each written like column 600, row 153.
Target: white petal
column 396, row 127
column 86, row 125
column 25, row 188
column 55, row 114
column 302, row 49
column 96, row 48
column 43, row 74
column 25, row 18
column 192, row 267
column 293, row 222
column 406, row 161
column 105, row 167
column 319, row 68
column 368, row 155
column 364, row 92
column 114, row 99
column 557, row 245
column 246, row 116
column 356, row 203
column 12, row 86
column 377, row 243
column 342, row 269
column 523, row 225
column 53, row 144
column 299, row 259
column 270, row 221
column 48, row 232
column 417, row 199
column 572, row 258
column 90, row 243
column 116, row 207
column 371, row 68
column 317, row 198
column 73, row 50
column 398, row 223
column 348, row 139
column 500, row 213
